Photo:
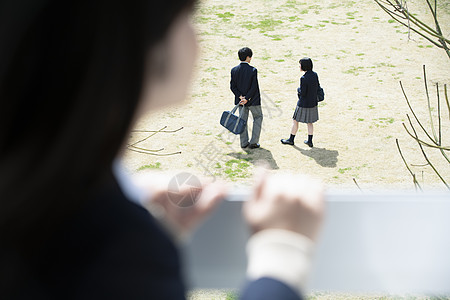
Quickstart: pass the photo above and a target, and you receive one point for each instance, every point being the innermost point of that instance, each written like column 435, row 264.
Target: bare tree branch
column 416, row 183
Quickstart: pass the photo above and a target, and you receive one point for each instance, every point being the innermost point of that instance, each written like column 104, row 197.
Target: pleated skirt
column 306, row 114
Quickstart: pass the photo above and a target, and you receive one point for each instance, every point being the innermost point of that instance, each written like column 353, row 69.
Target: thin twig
column 134, row 148
column 439, row 114
column 165, row 131
column 424, row 165
column 414, row 114
column 440, row 125
column 154, row 132
column 422, row 142
column 429, row 106
column 156, row 154
column 446, row 100
column 443, row 41
column 426, row 157
column 145, row 149
column 416, row 183
column 354, row 180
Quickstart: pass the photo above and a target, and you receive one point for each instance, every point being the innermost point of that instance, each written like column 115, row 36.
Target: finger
column 210, row 197
column 260, row 181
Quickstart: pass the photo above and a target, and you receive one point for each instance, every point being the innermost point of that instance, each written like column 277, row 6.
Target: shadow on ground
column 322, row 156
column 257, row 157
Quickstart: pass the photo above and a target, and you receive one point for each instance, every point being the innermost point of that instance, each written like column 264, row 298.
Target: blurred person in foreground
column 74, row 77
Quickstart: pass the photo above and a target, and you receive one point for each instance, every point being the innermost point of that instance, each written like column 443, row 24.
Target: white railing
column 384, row 242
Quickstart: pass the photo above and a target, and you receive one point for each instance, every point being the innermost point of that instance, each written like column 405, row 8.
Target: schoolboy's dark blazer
column 111, row 248
column 307, row 92
column 244, row 82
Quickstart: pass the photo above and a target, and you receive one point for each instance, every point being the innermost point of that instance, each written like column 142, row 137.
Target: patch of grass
column 279, row 60
column 266, row 57
column 157, row 165
column 202, row 20
column 371, row 106
column 351, row 15
column 305, row 27
column 385, row 65
column 293, row 4
column 360, row 119
column 225, row 16
column 293, row 19
column 338, row 23
column 342, row 171
column 232, row 295
column 289, row 54
column 354, row 70
column 265, row 25
column 236, row 168
column 211, row 69
column 232, row 36
column 383, row 122
column 359, row 167
column 275, row 37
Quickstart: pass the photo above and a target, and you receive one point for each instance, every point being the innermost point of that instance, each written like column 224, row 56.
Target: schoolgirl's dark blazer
column 307, row 92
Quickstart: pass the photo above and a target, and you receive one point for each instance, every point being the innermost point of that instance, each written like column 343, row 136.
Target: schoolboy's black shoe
column 308, row 143
column 243, row 147
column 287, row 142
column 254, row 146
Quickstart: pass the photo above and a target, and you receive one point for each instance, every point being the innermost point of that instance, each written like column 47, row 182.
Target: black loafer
column 254, row 146
column 245, row 146
column 308, row 143
column 287, row 142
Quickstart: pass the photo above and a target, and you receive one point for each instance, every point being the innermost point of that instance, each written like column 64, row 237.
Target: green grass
column 225, row 16
column 383, row 122
column 236, row 168
column 267, row 24
column 342, row 171
column 354, row 70
column 275, row 37
column 157, row 165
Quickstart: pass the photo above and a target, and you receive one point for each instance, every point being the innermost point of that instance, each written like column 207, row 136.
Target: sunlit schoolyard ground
column 360, row 55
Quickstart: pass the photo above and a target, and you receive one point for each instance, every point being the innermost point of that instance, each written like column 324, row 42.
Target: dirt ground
column 360, row 55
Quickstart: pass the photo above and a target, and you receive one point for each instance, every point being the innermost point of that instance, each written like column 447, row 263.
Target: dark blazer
column 268, row 289
column 244, row 82
column 307, row 92
column 111, row 248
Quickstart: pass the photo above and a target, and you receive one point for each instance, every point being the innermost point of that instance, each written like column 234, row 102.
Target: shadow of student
column 259, row 156
column 325, row 158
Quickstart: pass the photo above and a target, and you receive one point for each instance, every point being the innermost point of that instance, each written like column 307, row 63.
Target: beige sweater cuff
column 282, row 255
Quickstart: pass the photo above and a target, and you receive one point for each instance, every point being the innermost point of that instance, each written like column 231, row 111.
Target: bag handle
column 232, row 113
